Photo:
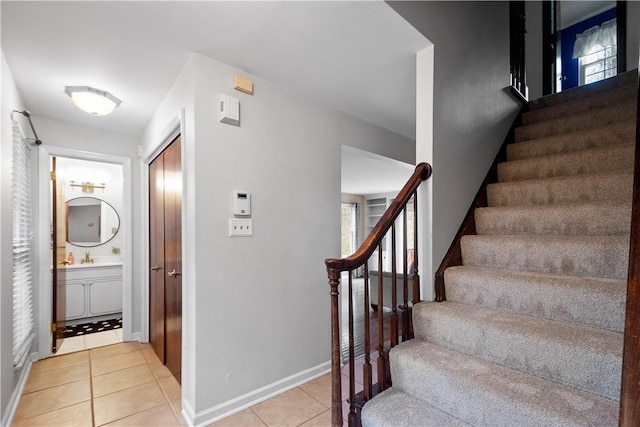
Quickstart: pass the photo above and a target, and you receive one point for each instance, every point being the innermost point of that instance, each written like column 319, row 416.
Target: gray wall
column 533, row 48
column 257, row 309
column 633, row 34
column 472, row 109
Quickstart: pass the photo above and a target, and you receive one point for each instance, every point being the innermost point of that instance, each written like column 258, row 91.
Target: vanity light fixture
column 94, row 101
column 88, row 187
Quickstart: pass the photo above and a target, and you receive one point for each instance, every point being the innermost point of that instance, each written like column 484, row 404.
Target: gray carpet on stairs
column 531, row 332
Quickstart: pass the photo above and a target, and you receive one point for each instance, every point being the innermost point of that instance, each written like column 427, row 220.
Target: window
column 596, row 51
column 23, row 325
column 601, row 63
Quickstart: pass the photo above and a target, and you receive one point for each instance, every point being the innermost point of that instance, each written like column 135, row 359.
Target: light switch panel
column 240, row 227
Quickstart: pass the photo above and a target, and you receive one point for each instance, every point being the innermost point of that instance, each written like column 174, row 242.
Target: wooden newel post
column 336, row 384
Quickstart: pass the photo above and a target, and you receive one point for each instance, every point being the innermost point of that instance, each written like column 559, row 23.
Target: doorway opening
column 369, row 183
column 86, row 278
column 584, row 42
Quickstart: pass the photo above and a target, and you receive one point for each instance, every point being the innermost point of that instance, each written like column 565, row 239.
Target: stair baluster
column 335, row 267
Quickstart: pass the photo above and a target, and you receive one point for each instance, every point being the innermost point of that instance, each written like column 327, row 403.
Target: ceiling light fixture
column 94, row 101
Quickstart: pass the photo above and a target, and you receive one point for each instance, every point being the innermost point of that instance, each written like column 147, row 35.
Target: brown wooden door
column 58, row 256
column 165, row 218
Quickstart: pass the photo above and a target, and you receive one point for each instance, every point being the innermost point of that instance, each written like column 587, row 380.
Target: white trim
column 254, row 397
column 14, row 400
column 43, row 227
column 424, row 153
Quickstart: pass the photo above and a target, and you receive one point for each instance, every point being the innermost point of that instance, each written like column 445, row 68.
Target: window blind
column 23, row 323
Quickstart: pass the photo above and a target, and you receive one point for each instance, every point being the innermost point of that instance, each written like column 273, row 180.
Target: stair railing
column 630, row 387
column 397, row 318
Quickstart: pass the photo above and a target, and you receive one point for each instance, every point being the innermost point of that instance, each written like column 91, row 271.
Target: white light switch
column 240, row 227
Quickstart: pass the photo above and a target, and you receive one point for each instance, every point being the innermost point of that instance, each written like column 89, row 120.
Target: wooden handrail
column 630, row 388
column 337, row 265
column 360, row 258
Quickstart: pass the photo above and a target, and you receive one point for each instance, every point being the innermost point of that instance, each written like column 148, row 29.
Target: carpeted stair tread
column 629, row 78
column 488, row 394
column 595, row 302
column 395, row 408
column 591, row 119
column 531, row 332
column 614, row 187
column 586, row 358
column 617, row 158
column 623, row 132
column 580, row 105
column 593, row 219
column 598, row 256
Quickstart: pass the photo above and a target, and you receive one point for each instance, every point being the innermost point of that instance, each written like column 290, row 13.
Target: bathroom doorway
column 85, row 284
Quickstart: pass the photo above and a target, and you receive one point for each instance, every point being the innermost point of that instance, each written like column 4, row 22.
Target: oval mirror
column 90, row 222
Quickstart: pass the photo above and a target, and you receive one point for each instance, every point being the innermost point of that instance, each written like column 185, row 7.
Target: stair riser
column 588, row 363
column 613, row 159
column 484, row 394
column 582, row 105
column 588, row 301
column 605, row 256
column 568, row 220
column 591, row 188
column 613, row 134
column 594, row 119
column 595, row 89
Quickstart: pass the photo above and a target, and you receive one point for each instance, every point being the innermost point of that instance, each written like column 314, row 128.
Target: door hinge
column 53, row 176
column 54, row 327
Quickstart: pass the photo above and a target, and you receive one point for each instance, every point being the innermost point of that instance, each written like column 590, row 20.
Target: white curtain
column 23, row 324
column 603, row 35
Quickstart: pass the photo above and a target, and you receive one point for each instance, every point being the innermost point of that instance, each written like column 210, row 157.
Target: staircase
column 531, row 333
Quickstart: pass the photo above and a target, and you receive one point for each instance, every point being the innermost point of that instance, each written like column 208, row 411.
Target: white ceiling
column 357, row 57
column 572, row 12
column 367, row 173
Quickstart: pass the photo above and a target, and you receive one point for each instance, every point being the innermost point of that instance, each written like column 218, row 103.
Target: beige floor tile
column 78, row 415
column 121, row 379
column 71, row 345
column 171, row 387
column 320, row 389
column 60, row 361
column 40, row 402
column 324, row 419
column 54, row 377
column 158, row 369
column 176, row 406
column 105, row 365
column 100, row 339
column 113, row 350
column 290, row 408
column 160, row 416
column 127, row 402
column 245, row 418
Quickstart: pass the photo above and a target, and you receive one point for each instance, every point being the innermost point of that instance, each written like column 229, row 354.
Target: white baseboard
column 239, row 403
column 12, row 406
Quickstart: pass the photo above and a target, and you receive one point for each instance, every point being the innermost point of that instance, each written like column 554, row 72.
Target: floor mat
column 92, row 327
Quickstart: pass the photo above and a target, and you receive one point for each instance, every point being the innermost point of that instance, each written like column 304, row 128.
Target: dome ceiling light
column 94, row 101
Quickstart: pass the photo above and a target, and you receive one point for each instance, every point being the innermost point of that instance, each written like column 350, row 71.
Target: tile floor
column 86, row 342
column 125, row 384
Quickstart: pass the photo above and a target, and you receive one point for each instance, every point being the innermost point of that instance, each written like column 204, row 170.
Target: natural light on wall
column 596, row 51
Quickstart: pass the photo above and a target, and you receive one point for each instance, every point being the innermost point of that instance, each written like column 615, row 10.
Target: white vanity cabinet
column 91, row 291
